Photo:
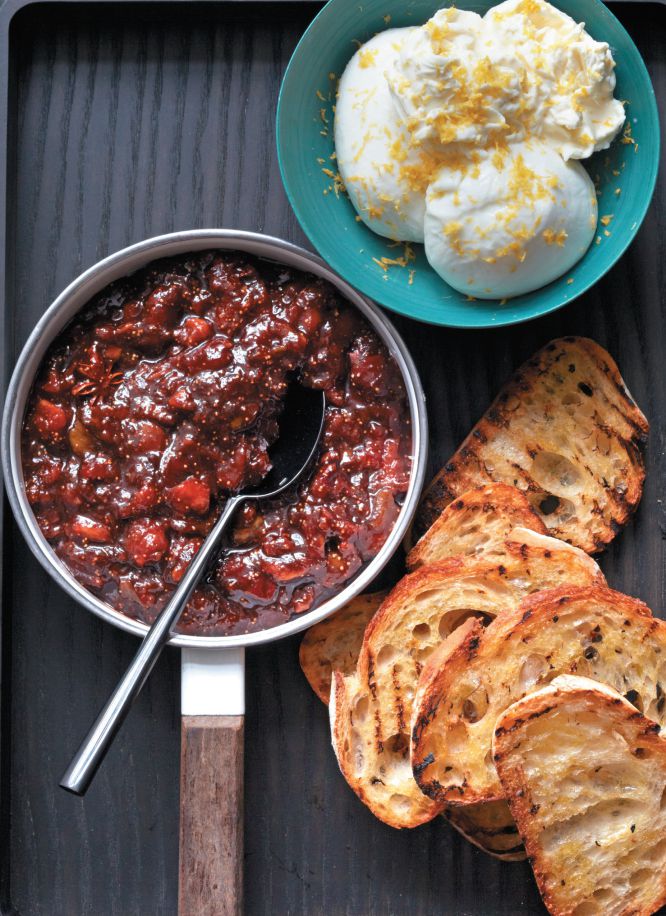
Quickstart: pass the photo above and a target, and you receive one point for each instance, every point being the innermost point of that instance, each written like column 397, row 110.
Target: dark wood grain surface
column 129, row 121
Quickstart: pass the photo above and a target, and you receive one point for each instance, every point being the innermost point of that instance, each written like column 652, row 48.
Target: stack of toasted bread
column 501, row 683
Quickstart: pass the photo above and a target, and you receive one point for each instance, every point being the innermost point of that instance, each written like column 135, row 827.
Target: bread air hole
column 641, row 877
column 361, row 710
column 475, row 706
column 587, row 908
column 385, row 656
column 662, row 803
column 397, row 744
column 571, row 402
column 658, row 851
column 534, row 669
column 394, row 758
column 556, row 474
column 453, row 619
column 555, row 510
column 604, row 895
column 480, row 543
column 633, row 696
column 600, row 900
column 421, row 631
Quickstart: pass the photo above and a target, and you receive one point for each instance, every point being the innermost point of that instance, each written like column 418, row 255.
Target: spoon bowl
column 301, row 426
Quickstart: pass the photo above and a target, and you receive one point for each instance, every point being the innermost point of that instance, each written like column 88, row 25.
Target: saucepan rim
column 123, row 263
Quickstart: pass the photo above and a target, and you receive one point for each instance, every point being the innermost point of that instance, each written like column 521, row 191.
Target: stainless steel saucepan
column 213, row 667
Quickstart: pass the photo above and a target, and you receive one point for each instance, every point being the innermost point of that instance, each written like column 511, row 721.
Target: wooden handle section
column 211, row 816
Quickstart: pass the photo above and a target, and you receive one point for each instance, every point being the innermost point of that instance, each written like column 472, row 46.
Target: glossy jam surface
column 164, row 397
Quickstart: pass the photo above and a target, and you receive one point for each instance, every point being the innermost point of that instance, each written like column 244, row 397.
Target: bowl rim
column 337, row 261
column 123, row 263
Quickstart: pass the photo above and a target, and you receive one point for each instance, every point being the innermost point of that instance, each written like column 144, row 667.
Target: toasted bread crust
column 590, row 833
column 566, row 432
column 468, row 683
column 335, row 642
column 472, row 523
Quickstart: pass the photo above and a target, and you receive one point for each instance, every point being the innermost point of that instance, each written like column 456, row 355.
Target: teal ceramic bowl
column 305, row 146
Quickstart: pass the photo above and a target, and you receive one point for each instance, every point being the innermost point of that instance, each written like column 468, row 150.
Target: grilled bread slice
column 474, row 524
column 470, row 680
column 585, row 774
column 335, row 642
column 377, row 769
column 566, row 432
column 371, row 710
column 490, row 826
column 477, row 525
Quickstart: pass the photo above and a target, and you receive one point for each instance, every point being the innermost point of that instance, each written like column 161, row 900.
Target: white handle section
column 212, row 682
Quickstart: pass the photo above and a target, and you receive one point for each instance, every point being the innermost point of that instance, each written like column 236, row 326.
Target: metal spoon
column 301, row 425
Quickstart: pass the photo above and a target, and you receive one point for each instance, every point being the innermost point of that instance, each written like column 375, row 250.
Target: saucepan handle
column 211, row 783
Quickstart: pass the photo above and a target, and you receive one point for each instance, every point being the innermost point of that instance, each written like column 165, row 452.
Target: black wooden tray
column 125, row 121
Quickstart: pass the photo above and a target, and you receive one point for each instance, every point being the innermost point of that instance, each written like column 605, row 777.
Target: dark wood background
column 130, row 121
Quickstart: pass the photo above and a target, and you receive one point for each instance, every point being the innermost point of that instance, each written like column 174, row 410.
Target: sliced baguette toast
column 473, row 524
column 335, row 642
column 585, row 774
column 476, row 525
column 377, row 769
column 477, row 673
column 371, row 710
column 490, row 826
column 565, row 431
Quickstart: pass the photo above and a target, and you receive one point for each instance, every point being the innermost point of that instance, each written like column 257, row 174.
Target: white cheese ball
column 513, row 222
column 570, row 76
column 383, row 175
column 453, row 83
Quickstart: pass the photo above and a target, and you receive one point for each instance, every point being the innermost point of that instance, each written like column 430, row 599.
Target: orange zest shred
column 403, row 260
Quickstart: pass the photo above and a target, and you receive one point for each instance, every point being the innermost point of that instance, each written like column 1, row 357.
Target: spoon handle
column 80, row 772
